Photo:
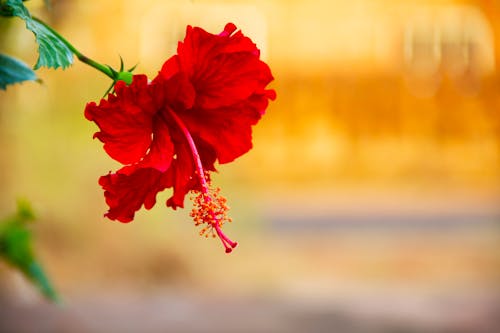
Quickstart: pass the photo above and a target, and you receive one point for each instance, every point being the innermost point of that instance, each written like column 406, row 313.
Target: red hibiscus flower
column 170, row 132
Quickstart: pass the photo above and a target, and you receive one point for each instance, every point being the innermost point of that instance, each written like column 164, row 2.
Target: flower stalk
column 105, row 69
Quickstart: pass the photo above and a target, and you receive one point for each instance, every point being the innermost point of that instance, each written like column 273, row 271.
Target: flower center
column 210, row 209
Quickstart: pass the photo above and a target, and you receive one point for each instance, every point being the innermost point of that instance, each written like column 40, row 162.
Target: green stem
column 102, row 68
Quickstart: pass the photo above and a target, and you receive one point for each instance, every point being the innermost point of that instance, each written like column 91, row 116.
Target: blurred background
column 369, row 203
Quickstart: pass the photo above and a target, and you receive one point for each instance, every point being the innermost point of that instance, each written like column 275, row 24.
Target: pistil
column 209, row 207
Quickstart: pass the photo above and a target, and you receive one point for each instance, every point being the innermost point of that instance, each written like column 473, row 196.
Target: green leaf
column 52, row 48
column 24, row 211
column 14, row 71
column 35, row 271
column 16, row 248
column 5, row 10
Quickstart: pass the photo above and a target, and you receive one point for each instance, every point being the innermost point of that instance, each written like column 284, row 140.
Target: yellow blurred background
column 369, row 203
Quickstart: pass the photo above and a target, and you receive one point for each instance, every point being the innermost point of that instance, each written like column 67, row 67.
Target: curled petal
column 130, row 188
column 125, row 121
column 130, row 129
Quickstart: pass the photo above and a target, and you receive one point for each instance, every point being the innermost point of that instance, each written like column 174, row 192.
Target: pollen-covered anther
column 210, row 212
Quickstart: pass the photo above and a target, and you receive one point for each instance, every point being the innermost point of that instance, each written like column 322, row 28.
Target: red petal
column 170, row 67
column 161, row 150
column 224, row 69
column 227, row 130
column 130, row 188
column 230, row 79
column 125, row 120
column 181, row 174
column 175, row 91
column 130, row 129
